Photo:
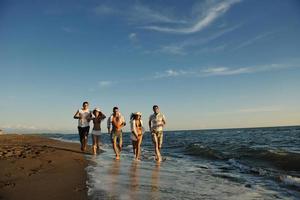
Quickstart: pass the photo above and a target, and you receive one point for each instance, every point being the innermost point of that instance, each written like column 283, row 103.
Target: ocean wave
column 197, row 149
column 278, row 158
column 290, row 180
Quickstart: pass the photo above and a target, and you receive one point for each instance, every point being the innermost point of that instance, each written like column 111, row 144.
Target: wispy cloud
column 104, row 10
column 170, row 73
column 172, row 49
column 210, row 14
column 225, row 71
column 213, row 49
column 220, row 71
column 145, row 15
column 68, row 29
column 182, row 48
column 105, row 83
column 139, row 14
column 133, row 37
column 253, row 40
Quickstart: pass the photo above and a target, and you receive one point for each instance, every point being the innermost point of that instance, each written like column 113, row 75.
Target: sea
column 250, row 163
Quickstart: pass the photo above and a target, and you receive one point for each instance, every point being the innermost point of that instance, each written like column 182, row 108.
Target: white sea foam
column 290, row 180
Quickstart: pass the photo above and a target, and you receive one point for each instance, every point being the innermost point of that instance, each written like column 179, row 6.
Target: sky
column 207, row 63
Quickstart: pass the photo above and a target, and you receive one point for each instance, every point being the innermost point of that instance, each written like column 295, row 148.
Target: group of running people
column 115, row 123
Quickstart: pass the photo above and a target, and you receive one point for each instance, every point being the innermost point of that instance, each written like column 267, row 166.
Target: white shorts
column 95, row 132
column 132, row 137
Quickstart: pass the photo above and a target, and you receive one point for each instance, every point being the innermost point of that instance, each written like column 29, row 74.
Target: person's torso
column 83, row 122
column 138, row 126
column 117, row 122
column 157, row 122
column 97, row 123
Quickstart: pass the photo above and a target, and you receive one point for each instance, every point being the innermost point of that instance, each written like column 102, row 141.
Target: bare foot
column 94, row 151
column 158, row 159
column 117, row 157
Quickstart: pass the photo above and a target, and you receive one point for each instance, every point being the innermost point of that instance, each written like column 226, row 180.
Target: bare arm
column 109, row 125
column 164, row 120
column 150, row 125
column 124, row 122
column 89, row 117
column 77, row 116
column 133, row 128
column 103, row 117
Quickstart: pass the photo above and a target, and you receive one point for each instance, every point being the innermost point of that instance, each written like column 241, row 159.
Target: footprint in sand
column 9, row 184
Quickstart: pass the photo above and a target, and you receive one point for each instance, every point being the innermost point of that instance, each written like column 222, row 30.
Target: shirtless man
column 115, row 123
column 156, row 123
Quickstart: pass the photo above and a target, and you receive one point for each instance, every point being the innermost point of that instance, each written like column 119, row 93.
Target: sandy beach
column 35, row 167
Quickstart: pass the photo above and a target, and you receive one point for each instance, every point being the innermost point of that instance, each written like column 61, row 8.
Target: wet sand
column 35, row 167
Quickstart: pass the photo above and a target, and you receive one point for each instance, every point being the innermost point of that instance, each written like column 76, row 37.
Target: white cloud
column 68, row 29
column 145, row 15
column 221, row 71
column 105, row 83
column 104, row 10
column 181, row 48
column 171, row 73
column 225, row 71
column 214, row 49
column 176, row 50
column 133, row 37
column 208, row 17
column 139, row 14
column 252, row 40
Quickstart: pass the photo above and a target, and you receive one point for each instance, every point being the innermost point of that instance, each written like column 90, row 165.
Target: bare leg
column 84, row 143
column 94, row 144
column 134, row 148
column 98, row 143
column 116, row 149
column 157, row 152
column 139, row 142
column 120, row 144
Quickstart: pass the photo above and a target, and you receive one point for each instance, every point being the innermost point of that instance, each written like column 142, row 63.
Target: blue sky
column 207, row 64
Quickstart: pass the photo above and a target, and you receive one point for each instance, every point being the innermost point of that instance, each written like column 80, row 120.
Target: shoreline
column 37, row 167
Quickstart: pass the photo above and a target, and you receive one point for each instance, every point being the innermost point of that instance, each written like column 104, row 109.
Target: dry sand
column 35, row 167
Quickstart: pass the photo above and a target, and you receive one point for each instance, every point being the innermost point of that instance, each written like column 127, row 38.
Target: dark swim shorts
column 83, row 132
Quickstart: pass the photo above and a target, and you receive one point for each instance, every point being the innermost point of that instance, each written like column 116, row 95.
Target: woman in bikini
column 98, row 116
column 136, row 136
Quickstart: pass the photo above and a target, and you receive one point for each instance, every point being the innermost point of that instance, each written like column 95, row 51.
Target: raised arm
column 164, row 120
column 149, row 124
column 109, row 124
column 102, row 116
column 77, row 116
column 123, row 121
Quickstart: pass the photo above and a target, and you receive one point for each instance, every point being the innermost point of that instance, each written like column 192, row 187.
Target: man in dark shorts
column 84, row 117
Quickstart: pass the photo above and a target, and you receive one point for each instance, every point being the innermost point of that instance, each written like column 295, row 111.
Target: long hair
column 94, row 113
column 132, row 116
